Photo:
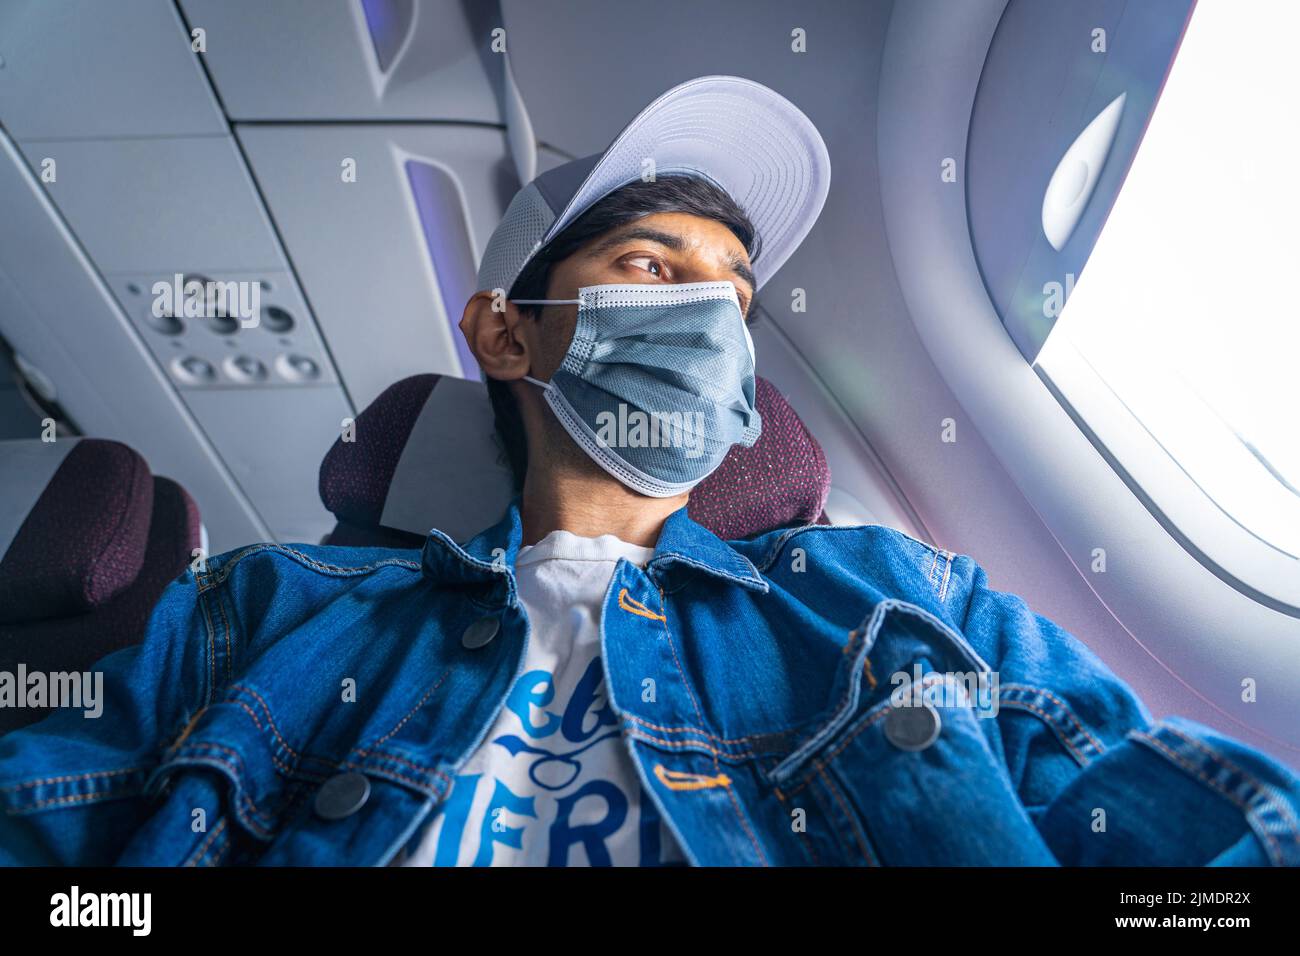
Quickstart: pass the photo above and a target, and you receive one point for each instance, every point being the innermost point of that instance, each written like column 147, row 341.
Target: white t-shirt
column 553, row 784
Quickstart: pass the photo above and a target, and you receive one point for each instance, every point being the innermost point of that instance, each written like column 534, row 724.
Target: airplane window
column 1184, row 320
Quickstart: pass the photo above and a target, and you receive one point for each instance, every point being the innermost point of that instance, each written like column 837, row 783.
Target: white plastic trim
column 1206, row 633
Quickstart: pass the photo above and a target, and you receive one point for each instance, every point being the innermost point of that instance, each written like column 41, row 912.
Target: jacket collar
column 489, row 557
column 685, row 543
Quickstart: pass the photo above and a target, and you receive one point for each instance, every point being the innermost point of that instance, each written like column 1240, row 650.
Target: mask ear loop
column 749, row 343
column 579, row 301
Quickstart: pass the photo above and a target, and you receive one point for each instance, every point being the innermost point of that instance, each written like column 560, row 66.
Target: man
column 597, row 679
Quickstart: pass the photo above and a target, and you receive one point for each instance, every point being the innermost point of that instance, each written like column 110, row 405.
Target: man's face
column 668, row 247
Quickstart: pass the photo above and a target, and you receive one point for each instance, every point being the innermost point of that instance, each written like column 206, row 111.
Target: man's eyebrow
column 743, row 271
column 667, row 239
column 670, row 241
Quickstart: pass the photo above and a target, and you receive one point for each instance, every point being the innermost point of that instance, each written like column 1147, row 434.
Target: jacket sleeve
column 1105, row 783
column 71, row 785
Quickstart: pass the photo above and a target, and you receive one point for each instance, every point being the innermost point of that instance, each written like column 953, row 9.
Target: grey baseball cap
column 747, row 139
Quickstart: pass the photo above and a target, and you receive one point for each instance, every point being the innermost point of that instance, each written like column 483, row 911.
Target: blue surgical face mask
column 658, row 382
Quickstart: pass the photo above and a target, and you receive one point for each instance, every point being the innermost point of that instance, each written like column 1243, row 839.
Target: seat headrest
column 74, row 528
column 782, row 480
column 424, row 455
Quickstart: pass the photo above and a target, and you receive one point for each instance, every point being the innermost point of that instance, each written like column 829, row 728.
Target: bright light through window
column 1189, row 306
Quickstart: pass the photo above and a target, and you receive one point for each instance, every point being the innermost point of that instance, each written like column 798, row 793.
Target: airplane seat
column 782, row 480
column 88, row 541
column 424, row 455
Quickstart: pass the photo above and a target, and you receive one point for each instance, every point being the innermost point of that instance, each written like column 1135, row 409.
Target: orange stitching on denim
column 396, row 759
column 839, row 748
column 686, row 685
column 251, row 713
column 1069, row 713
column 280, row 765
column 663, row 620
column 702, row 733
column 69, row 798
column 236, row 766
column 288, row 771
column 740, row 814
column 188, row 727
column 402, row 760
column 687, row 744
column 295, row 770
column 1214, row 755
column 1260, row 787
column 202, row 848
column 817, row 765
column 858, row 835
column 69, row 777
column 215, row 858
column 636, row 607
column 270, row 720
column 220, row 851
column 225, row 633
column 848, row 685
column 212, row 638
column 410, row 713
column 1199, row 774
column 421, row 785
column 1047, row 718
column 806, row 844
column 225, row 623
column 866, row 666
column 367, row 752
column 848, row 644
column 681, row 780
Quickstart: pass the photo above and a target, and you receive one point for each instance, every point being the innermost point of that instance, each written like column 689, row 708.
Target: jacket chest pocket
column 201, row 812
column 219, row 795
column 905, row 766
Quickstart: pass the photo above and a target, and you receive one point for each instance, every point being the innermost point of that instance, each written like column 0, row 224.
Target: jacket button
column 914, row 727
column 480, row 632
column 342, row 795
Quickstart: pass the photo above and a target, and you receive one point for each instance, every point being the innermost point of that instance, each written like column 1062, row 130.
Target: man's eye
column 650, row 264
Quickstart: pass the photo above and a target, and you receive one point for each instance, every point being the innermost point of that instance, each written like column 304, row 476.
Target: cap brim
column 746, row 138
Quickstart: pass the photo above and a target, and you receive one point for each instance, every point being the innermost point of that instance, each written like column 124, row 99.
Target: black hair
column 678, row 193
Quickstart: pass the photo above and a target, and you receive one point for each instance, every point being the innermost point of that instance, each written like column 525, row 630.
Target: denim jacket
column 816, row 695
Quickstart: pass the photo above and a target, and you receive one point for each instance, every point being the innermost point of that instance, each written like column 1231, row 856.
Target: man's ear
column 490, row 325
